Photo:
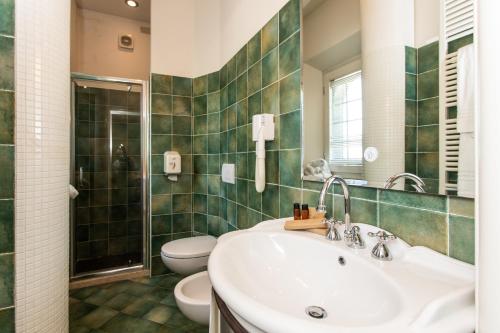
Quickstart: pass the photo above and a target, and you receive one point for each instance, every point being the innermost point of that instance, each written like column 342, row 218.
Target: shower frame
column 145, row 174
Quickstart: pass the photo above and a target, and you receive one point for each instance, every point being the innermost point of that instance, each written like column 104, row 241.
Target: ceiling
column 119, row 8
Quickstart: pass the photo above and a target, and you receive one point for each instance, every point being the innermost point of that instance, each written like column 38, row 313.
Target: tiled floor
column 145, row 305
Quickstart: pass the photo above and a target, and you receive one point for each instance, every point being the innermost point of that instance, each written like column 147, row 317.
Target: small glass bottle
column 296, row 211
column 305, row 211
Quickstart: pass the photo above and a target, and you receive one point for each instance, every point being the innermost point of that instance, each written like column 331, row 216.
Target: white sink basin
column 268, row 277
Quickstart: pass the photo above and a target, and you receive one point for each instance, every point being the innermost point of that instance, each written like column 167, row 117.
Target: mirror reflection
column 388, row 101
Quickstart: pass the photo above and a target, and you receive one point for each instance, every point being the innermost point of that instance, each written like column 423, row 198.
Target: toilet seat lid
column 191, row 247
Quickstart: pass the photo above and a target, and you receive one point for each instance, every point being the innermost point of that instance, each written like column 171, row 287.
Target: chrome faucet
column 352, row 236
column 419, row 183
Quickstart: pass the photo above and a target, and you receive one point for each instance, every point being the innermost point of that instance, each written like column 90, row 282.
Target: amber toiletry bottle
column 296, row 211
column 305, row 211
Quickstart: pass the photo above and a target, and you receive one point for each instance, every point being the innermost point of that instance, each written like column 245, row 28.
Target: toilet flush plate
column 228, row 173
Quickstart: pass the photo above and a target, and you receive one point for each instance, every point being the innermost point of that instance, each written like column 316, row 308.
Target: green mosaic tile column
column 428, row 116
column 7, row 116
column 171, row 129
column 422, row 114
column 411, row 123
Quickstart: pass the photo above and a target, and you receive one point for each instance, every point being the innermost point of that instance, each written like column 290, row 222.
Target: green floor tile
column 157, row 295
column 128, row 324
column 120, row 301
column 83, row 292
column 98, row 317
column 139, row 307
column 100, row 297
column 169, row 300
column 159, row 314
column 80, row 309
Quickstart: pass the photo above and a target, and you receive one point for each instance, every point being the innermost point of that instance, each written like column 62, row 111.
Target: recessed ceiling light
column 132, row 3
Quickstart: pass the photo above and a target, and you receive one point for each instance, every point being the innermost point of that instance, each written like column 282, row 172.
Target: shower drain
column 316, row 312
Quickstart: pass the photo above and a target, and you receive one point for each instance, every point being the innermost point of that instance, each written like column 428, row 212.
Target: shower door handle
column 80, row 177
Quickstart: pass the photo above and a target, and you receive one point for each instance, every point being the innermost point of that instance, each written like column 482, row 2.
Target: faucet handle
column 380, row 251
column 339, row 222
column 333, row 220
column 382, row 236
column 333, row 233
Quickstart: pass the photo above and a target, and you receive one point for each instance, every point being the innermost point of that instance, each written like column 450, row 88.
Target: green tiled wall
column 265, row 77
column 422, row 114
column 172, row 110
column 445, row 224
column 7, row 116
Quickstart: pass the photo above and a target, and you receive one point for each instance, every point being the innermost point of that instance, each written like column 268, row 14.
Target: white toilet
column 188, row 256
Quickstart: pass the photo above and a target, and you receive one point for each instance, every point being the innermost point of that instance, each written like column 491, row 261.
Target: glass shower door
column 108, row 213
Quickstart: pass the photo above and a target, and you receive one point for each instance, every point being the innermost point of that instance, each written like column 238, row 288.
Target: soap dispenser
column 172, row 164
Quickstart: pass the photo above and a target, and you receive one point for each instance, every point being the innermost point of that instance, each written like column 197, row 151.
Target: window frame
column 354, row 65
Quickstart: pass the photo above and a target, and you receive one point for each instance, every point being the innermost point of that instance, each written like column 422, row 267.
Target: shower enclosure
column 109, row 170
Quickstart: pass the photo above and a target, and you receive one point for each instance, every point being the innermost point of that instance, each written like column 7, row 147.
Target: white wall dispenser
column 262, row 131
column 172, row 164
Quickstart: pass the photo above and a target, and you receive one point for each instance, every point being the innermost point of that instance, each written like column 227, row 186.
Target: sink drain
column 341, row 261
column 316, row 312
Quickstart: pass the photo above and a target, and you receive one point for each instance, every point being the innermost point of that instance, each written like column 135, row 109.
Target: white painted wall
column 241, row 19
column 313, row 113
column 42, row 165
column 426, row 21
column 195, row 37
column 329, row 24
column 207, row 37
column 173, row 37
column 96, row 50
column 487, row 162
column 74, row 35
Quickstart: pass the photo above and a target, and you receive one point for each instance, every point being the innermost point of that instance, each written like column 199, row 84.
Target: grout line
column 430, row 70
column 7, row 308
column 410, row 207
column 378, row 208
column 428, row 98
column 448, row 225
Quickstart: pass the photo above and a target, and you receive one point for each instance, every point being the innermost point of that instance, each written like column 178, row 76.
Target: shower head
column 122, row 150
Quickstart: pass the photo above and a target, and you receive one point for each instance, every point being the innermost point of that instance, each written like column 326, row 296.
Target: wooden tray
column 321, row 232
column 305, row 224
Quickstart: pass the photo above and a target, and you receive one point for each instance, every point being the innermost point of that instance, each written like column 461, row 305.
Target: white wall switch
column 228, row 173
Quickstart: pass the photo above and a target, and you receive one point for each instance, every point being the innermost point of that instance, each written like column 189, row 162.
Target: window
column 346, row 121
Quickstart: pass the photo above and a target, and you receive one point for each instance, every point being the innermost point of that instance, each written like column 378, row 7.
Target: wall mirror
column 387, row 94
